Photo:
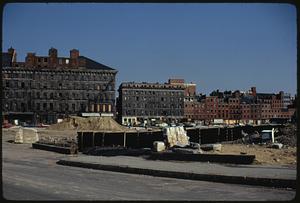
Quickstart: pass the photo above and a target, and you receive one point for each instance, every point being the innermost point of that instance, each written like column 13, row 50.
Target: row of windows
column 147, row 105
column 100, row 108
column 136, row 112
column 156, row 93
column 55, row 85
column 61, row 107
column 59, row 95
column 154, row 99
column 23, row 107
column 60, row 76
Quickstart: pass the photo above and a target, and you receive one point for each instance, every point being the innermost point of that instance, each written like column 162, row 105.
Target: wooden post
column 231, row 134
column 227, row 134
column 81, row 147
column 138, row 139
column 124, row 143
column 103, row 135
column 93, row 143
column 199, row 135
column 218, row 138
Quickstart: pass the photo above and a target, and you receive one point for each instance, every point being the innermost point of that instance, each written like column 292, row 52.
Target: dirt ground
column 263, row 154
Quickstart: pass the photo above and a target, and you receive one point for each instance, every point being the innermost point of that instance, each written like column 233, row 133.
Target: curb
column 217, row 158
column 53, row 148
column 268, row 182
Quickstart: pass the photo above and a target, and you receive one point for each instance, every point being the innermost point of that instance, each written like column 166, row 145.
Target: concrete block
column 26, row 135
column 195, row 145
column 19, row 136
column 277, row 145
column 214, row 147
column 159, row 146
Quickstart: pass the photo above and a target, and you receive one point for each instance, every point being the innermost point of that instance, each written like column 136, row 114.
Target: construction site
column 88, row 135
column 209, row 155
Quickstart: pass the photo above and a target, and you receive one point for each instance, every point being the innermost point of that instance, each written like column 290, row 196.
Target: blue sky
column 217, row 46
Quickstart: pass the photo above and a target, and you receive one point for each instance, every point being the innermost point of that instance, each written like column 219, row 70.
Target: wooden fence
column 145, row 139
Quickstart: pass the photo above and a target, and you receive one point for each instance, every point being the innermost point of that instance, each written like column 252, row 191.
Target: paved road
column 30, row 174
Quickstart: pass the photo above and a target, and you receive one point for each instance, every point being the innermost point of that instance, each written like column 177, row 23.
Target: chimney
column 30, row 60
column 74, row 54
column 253, row 90
column 53, row 52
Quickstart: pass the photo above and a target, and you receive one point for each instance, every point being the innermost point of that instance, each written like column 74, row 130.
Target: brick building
column 140, row 102
column 236, row 107
column 231, row 107
column 189, row 96
column 45, row 88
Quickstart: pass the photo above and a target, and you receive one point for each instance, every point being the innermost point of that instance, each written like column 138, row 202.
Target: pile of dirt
column 91, row 123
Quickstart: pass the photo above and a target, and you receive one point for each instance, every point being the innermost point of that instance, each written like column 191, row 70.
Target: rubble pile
column 178, row 142
column 288, row 135
column 91, row 123
column 176, row 136
column 58, row 141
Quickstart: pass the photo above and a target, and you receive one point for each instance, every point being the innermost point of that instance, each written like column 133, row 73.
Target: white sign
column 90, row 114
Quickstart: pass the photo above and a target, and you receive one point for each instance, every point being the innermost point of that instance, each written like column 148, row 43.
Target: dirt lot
column 264, row 155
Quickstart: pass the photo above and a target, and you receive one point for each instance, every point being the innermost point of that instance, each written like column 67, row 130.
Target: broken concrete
column 159, row 146
column 176, row 136
column 277, row 145
column 26, row 135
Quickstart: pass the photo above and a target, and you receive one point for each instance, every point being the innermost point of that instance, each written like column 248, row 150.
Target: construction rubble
column 178, row 142
column 26, row 135
column 288, row 135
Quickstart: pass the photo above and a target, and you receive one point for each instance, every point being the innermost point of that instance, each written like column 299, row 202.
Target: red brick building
column 236, row 107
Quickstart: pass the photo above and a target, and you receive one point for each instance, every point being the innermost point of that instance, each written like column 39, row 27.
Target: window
column 45, row 60
column 44, row 106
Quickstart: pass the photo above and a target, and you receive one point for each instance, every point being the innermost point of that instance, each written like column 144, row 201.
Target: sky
column 217, row 46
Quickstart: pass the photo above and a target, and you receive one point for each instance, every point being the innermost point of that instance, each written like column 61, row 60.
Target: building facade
column 146, row 102
column 45, row 88
column 237, row 107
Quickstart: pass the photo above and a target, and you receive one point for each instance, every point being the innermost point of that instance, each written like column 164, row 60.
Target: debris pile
column 177, row 141
column 58, row 141
column 91, row 123
column 176, row 136
column 288, row 135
